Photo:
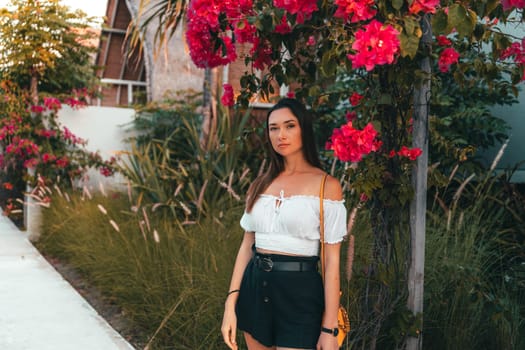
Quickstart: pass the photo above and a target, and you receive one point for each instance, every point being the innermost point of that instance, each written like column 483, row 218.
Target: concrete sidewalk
column 39, row 310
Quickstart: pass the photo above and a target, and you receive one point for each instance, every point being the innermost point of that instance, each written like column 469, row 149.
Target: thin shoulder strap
column 321, row 222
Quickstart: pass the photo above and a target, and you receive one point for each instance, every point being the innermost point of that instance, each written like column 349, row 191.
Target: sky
column 91, row 7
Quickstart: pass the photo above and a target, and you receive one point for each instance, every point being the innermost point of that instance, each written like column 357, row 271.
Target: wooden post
column 418, row 207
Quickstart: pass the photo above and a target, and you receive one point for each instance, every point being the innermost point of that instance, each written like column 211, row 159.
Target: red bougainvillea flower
column 355, row 10
column 290, row 94
column 37, row 109
column 376, row 44
column 443, row 41
column 350, row 144
column 227, row 95
column 410, row 153
column 302, row 8
column 283, row 27
column 426, row 6
column 510, row 4
column 355, row 99
column 8, row 186
column 448, row 57
column 311, row 41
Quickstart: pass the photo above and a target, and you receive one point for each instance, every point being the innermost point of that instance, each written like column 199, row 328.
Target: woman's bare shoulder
column 333, row 189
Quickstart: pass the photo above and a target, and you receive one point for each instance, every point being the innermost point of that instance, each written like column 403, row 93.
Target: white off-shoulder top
column 291, row 224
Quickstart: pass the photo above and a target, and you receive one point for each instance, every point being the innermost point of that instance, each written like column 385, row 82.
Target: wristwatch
column 334, row 331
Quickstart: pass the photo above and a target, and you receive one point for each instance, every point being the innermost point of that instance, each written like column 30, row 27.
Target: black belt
column 266, row 263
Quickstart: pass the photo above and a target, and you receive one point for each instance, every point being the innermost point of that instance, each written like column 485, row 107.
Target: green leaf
column 409, row 45
column 439, row 23
column 328, row 64
column 397, row 4
column 461, row 19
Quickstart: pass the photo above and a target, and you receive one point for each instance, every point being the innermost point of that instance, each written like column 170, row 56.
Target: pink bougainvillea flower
column 363, row 197
column 74, row 102
column 425, row 6
column 302, row 8
column 355, row 99
column 227, row 95
column 283, row 27
column 443, row 41
column 52, row 103
column 208, row 45
column 311, row 41
column 350, row 144
column 510, row 4
column 515, row 51
column 410, row 153
column 448, row 57
column 392, row 153
column 244, row 31
column 355, row 10
column 376, row 44
column 106, row 171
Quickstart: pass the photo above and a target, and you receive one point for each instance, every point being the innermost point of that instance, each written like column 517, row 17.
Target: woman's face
column 285, row 132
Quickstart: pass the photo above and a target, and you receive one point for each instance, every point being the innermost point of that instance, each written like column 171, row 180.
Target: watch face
column 336, row 332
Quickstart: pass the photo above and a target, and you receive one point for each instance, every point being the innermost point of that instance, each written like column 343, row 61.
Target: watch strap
column 333, row 331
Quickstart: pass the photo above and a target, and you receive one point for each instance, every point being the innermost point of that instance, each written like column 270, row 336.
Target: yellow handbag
column 343, row 322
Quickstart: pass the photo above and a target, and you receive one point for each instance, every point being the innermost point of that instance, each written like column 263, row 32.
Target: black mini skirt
column 281, row 308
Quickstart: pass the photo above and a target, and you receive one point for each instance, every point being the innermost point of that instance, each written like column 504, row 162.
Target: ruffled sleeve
column 334, row 221
column 247, row 222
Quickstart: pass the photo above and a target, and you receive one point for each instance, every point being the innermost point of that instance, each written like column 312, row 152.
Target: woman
column 276, row 294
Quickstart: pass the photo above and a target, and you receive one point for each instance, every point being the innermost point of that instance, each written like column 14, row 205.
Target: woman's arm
column 229, row 320
column 332, row 287
column 331, row 295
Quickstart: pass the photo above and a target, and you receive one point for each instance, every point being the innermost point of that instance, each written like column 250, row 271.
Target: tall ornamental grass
column 170, row 279
column 475, row 266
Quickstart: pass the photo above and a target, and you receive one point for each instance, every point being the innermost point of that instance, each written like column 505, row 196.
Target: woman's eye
column 273, row 129
column 290, row 126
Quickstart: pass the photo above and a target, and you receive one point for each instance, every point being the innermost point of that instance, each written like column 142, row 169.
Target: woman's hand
column 327, row 342
column 229, row 325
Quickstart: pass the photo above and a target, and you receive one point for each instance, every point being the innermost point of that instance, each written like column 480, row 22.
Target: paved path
column 39, row 310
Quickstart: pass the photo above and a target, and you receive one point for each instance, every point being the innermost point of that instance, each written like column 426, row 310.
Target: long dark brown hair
column 276, row 161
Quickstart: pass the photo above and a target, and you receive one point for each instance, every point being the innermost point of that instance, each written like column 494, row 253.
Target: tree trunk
column 33, row 89
column 418, row 206
column 209, row 112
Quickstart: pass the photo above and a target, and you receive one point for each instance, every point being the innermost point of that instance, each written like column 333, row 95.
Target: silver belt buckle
column 266, row 264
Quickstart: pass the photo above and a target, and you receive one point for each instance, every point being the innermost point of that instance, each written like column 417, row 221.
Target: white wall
column 105, row 130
